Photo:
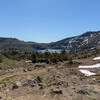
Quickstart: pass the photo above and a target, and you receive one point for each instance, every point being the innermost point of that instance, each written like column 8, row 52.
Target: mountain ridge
column 90, row 39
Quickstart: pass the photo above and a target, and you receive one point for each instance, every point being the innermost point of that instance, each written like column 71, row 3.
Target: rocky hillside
column 40, row 81
column 86, row 40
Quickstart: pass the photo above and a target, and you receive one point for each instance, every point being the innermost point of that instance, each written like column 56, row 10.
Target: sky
column 48, row 20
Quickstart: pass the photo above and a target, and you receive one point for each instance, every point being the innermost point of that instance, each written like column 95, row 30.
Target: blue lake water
column 51, row 50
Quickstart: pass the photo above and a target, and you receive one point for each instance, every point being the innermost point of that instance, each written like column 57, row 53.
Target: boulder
column 25, row 70
column 16, row 85
column 0, row 97
column 29, row 69
column 40, row 86
column 39, row 66
column 31, row 83
column 38, row 79
column 56, row 91
column 84, row 92
column 65, row 84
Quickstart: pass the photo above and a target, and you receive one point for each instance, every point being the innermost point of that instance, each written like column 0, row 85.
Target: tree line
column 50, row 57
column 36, row 57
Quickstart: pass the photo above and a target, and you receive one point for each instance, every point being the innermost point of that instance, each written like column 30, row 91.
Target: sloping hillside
column 15, row 43
column 86, row 40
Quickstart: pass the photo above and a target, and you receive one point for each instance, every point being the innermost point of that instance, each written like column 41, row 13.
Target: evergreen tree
column 34, row 58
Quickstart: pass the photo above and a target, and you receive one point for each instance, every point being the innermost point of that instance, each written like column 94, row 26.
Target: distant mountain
column 15, row 43
column 87, row 40
column 84, row 41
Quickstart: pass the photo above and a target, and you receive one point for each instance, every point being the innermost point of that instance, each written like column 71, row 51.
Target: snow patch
column 87, row 73
column 96, row 58
column 91, row 66
column 29, row 61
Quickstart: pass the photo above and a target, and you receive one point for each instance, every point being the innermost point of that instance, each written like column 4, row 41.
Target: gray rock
column 31, row 83
column 65, row 84
column 0, row 97
column 56, row 91
column 39, row 66
column 40, row 86
column 29, row 69
column 38, row 79
column 84, row 92
column 16, row 85
column 24, row 70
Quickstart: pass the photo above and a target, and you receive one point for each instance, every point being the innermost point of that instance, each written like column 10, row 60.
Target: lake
column 51, row 50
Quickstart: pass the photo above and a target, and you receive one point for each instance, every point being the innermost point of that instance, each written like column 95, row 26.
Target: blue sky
column 48, row 20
